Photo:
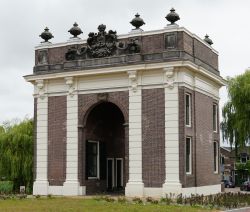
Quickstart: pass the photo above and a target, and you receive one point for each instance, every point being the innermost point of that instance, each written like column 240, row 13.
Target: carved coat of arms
column 102, row 44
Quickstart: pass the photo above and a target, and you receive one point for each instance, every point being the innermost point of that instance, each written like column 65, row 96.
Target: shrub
column 6, row 187
column 108, row 199
column 137, row 200
column 121, row 200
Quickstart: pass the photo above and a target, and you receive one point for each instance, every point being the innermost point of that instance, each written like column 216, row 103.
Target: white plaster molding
column 134, row 189
column 67, row 190
column 102, row 71
column 41, row 182
column 71, row 185
column 40, row 187
column 169, row 79
column 70, row 82
column 172, row 182
column 133, row 80
column 135, row 185
column 40, row 85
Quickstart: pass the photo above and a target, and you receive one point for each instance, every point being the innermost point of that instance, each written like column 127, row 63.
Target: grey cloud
column 22, row 21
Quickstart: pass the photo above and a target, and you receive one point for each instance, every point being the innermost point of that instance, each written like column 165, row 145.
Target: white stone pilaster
column 41, row 183
column 71, row 185
column 172, row 182
column 135, row 186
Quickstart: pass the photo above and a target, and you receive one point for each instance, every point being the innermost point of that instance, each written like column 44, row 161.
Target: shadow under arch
column 111, row 133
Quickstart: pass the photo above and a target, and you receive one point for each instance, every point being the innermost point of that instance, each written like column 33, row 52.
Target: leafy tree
column 236, row 112
column 16, row 153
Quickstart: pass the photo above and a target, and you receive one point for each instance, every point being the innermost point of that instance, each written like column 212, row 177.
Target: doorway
column 114, row 174
column 104, row 149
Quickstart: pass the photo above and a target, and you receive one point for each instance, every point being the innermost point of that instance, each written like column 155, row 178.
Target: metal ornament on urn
column 208, row 40
column 137, row 22
column 46, row 35
column 75, row 30
column 172, row 17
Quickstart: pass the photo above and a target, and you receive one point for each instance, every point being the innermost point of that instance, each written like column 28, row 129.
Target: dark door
column 110, row 174
column 119, row 173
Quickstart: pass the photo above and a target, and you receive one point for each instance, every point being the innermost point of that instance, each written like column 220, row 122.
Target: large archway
column 104, row 140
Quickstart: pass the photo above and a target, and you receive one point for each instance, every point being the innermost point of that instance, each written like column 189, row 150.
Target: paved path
column 240, row 210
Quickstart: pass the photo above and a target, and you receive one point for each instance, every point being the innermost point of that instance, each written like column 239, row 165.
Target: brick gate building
column 136, row 113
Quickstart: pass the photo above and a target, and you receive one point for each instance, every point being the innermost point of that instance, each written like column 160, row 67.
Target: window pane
column 188, row 155
column 215, row 157
column 92, row 159
column 187, row 108
column 214, row 117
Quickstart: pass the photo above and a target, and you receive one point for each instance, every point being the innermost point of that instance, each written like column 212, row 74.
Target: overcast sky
column 21, row 22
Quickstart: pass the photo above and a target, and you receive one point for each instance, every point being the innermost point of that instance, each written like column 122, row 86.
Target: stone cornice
column 124, row 69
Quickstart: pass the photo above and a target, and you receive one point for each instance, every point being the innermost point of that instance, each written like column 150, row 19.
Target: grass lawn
column 83, row 205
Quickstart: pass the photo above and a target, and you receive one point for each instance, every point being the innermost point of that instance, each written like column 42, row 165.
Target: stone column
column 72, row 186
column 41, row 183
column 135, row 186
column 172, row 182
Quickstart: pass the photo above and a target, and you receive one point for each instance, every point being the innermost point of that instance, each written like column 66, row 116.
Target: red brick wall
column 153, row 137
column 204, row 140
column 201, row 132
column 57, row 116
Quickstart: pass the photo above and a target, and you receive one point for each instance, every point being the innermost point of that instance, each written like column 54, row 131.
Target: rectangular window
column 215, row 116
column 188, row 110
column 188, row 156
column 243, row 159
column 222, row 160
column 93, row 159
column 215, row 149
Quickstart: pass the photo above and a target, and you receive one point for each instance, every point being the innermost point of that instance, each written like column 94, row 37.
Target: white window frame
column 189, row 110
column 121, row 159
column 98, row 160
column 216, row 157
column 190, row 155
column 215, row 117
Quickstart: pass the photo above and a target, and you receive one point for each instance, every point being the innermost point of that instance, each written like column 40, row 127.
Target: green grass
column 85, row 205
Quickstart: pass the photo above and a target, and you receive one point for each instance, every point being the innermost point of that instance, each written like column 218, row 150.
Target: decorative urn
column 75, row 30
column 46, row 35
column 208, row 40
column 137, row 22
column 172, row 17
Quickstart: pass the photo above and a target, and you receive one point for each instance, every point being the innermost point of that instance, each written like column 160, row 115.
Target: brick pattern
column 205, row 54
column 57, row 113
column 154, row 44
column 86, row 103
column 153, row 137
column 202, row 135
column 35, row 137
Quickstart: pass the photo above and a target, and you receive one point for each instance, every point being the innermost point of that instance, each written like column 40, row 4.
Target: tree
column 236, row 112
column 16, row 153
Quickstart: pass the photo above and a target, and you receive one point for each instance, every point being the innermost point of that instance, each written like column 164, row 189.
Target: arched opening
column 104, row 138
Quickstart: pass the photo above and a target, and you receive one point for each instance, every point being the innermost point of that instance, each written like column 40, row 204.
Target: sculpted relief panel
column 102, row 44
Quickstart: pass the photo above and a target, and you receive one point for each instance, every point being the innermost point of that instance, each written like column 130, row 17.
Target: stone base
column 134, row 189
column 172, row 187
column 40, row 187
column 71, row 188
